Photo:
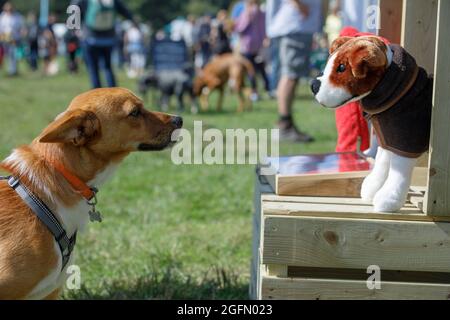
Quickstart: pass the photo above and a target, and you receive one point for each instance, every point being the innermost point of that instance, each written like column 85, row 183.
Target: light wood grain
column 298, row 209
column 419, row 31
column 255, row 267
column 319, row 185
column 437, row 201
column 359, row 274
column 328, row 289
column 356, row 244
column 391, row 20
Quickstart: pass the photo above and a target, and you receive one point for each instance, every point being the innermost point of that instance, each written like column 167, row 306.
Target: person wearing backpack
column 99, row 36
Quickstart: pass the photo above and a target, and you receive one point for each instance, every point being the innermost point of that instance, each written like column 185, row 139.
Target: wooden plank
column 325, row 289
column 255, row 284
column 357, row 274
column 292, row 186
column 357, row 244
column 292, row 209
column 319, row 185
column 420, row 177
column 330, row 185
column 295, row 208
column 261, row 190
column 277, row 270
column 419, row 31
column 252, row 289
column 391, row 20
column 437, row 201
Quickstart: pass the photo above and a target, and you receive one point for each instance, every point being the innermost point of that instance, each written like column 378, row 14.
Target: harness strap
column 47, row 217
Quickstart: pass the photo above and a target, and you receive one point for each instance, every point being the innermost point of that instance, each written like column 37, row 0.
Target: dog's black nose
column 315, row 86
column 177, row 121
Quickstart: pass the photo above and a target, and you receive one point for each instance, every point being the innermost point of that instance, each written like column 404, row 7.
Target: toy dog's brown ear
column 339, row 42
column 365, row 58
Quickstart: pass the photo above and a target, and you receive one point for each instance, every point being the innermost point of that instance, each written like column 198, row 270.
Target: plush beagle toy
column 396, row 95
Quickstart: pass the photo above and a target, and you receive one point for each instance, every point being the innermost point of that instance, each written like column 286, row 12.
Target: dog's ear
column 77, row 127
column 339, row 42
column 365, row 58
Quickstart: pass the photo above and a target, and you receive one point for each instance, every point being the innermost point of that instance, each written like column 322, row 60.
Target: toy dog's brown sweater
column 400, row 106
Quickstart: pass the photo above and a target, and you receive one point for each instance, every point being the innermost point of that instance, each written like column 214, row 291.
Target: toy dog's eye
column 135, row 113
column 341, row 68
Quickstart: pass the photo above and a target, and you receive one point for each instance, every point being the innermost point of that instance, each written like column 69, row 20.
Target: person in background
column 2, row 55
column 319, row 54
column 134, row 45
column 48, row 48
column 33, row 41
column 220, row 43
column 292, row 23
column 72, row 42
column 333, row 23
column 99, row 36
column 188, row 34
column 11, row 30
column 251, row 29
column 203, row 42
column 355, row 14
column 119, row 50
column 177, row 29
column 236, row 10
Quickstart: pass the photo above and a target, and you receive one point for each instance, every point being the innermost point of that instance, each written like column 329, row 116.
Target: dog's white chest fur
column 73, row 219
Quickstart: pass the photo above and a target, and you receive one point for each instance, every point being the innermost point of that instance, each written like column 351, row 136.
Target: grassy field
column 169, row 232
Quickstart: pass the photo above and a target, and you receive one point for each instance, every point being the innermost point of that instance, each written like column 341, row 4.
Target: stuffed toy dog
column 396, row 95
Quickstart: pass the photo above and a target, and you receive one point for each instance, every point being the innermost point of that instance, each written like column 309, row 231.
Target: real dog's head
column 111, row 122
column 355, row 67
column 198, row 85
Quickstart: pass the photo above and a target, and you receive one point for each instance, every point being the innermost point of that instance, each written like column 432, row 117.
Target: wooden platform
column 320, row 248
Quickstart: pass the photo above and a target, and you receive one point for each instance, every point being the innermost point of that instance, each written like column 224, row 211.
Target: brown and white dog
column 224, row 69
column 397, row 96
column 88, row 141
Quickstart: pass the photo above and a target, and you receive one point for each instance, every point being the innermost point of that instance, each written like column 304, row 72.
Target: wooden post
column 419, row 38
column 391, row 20
column 437, row 200
column 419, row 30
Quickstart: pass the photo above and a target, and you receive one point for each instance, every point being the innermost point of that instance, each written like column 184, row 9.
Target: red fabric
column 350, row 123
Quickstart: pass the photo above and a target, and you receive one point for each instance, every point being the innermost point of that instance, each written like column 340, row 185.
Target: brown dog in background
column 226, row 68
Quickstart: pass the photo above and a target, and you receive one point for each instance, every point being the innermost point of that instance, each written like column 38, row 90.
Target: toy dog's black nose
column 177, row 121
column 315, row 86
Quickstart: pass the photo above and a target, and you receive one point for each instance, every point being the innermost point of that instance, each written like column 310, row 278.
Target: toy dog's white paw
column 371, row 185
column 391, row 198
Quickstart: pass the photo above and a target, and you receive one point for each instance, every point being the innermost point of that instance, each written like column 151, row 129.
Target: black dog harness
column 46, row 216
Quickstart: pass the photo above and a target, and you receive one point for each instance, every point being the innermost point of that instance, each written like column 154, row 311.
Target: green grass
column 169, row 232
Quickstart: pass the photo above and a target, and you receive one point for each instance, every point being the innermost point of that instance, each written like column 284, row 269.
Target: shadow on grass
column 218, row 284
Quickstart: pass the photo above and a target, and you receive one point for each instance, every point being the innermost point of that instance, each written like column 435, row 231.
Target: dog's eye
column 135, row 113
column 341, row 68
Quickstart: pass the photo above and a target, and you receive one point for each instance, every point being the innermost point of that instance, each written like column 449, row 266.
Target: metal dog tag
column 95, row 216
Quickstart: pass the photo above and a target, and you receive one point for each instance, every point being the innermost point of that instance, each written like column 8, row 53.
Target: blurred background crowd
column 287, row 41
